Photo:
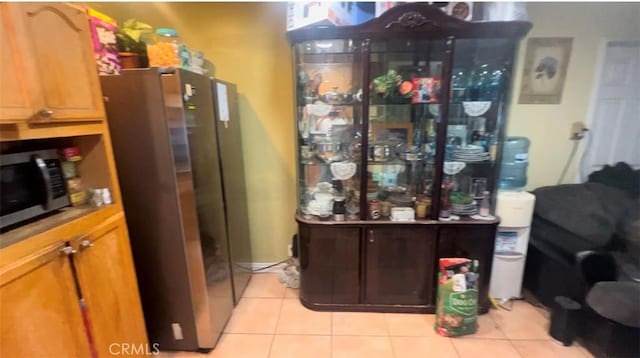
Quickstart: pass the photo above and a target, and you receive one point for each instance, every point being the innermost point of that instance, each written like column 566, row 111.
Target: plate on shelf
column 476, row 108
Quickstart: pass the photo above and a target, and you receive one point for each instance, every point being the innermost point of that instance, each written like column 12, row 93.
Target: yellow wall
column 547, row 125
column 246, row 42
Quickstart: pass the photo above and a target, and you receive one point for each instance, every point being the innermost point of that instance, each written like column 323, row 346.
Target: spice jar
column 385, row 208
column 339, row 209
column 374, row 209
column 421, row 209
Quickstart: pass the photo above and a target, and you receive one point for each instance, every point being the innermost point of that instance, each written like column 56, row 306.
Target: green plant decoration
column 391, row 85
column 130, row 34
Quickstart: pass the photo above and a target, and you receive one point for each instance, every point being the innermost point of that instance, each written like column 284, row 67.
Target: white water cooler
column 515, row 209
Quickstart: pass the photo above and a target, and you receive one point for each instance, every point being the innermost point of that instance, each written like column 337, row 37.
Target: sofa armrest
column 596, row 266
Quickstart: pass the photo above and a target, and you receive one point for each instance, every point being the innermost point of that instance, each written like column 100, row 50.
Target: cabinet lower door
column 106, row 275
column 329, row 264
column 400, row 265
column 40, row 313
column 476, row 242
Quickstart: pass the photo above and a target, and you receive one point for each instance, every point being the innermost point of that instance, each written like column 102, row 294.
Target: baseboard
column 260, row 265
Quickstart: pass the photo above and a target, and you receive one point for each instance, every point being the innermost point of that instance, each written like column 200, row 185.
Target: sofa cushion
column 592, row 211
column 617, row 301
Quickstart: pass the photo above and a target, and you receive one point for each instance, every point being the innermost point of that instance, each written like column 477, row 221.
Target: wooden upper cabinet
column 40, row 313
column 16, row 73
column 50, row 69
column 104, row 268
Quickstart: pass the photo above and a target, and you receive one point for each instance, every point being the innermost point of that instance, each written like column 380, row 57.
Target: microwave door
column 31, row 184
column 45, row 180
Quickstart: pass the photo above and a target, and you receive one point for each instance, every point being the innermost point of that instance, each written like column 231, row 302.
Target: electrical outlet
column 289, row 250
column 577, row 130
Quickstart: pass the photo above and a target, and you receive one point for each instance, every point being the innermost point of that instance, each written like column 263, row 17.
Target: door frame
column 581, row 176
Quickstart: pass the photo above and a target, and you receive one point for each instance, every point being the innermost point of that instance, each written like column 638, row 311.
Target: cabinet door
column 58, row 40
column 475, row 242
column 329, row 264
column 39, row 308
column 400, row 265
column 105, row 272
column 18, row 101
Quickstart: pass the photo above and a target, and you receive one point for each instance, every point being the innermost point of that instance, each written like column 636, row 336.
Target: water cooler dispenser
column 515, row 209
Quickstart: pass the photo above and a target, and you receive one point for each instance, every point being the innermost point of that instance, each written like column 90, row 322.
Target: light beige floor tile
column 255, row 315
column 360, row 347
column 522, row 322
column 291, row 292
column 299, row 346
column 264, row 285
column 476, row 348
column 242, row 346
column 487, row 329
column 545, row 349
column 410, row 325
column 421, row 347
column 297, row 319
column 358, row 324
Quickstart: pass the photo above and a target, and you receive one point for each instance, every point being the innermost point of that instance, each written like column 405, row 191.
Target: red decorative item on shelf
column 71, row 154
column 425, row 89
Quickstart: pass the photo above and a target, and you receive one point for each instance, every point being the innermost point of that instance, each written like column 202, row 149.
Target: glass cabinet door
column 404, row 107
column 329, row 126
column 475, row 128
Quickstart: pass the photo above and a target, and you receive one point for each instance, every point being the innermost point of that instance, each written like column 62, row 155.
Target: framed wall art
column 545, row 69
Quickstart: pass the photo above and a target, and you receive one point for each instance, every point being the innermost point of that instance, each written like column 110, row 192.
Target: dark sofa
column 585, row 245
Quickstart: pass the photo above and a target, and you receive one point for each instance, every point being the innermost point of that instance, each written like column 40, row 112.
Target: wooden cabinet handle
column 85, row 244
column 45, row 113
column 68, row 250
column 371, row 238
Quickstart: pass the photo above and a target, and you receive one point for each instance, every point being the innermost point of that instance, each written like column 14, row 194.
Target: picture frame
column 402, row 131
column 545, row 70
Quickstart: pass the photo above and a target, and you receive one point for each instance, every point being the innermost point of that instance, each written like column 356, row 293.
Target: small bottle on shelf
column 485, row 204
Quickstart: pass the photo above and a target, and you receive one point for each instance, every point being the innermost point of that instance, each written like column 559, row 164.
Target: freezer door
column 233, row 177
column 207, row 181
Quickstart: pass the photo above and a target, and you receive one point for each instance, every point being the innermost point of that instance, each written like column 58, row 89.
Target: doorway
column 614, row 118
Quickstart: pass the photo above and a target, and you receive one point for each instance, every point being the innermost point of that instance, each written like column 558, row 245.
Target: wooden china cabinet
column 400, row 124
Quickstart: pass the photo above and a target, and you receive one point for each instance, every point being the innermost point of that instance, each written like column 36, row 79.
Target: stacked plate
column 465, row 209
column 470, row 153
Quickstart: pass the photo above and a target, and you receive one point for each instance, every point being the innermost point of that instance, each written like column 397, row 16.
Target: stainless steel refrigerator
column 178, row 152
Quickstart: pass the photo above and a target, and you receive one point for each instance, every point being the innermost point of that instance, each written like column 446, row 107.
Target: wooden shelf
column 55, row 222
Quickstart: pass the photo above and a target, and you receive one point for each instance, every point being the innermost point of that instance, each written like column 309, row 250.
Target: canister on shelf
column 385, row 208
column 374, row 209
column 71, row 154
column 422, row 208
column 69, row 170
column 77, row 194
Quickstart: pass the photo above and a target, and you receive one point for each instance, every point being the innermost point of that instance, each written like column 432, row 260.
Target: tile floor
column 271, row 322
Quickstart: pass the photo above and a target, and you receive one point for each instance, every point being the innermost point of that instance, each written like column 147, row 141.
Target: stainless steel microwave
column 31, row 184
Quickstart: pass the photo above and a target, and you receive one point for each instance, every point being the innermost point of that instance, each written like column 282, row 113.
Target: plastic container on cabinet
column 513, row 176
column 165, row 51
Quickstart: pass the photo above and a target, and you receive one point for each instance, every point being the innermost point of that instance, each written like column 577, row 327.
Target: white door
column 614, row 129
